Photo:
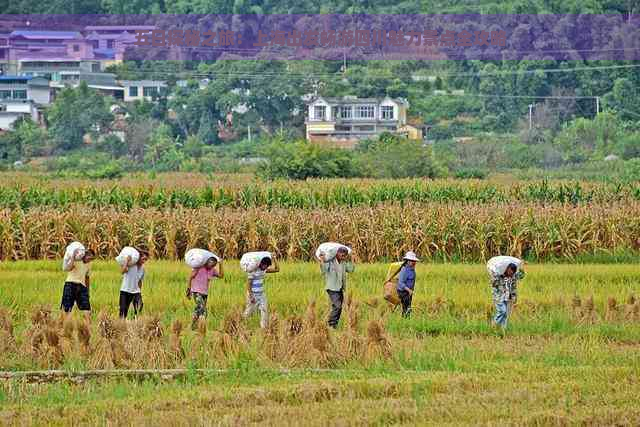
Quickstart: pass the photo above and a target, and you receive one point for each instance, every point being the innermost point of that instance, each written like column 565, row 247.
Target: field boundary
column 165, row 374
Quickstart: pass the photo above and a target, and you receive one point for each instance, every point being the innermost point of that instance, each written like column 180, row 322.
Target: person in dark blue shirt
column 407, row 282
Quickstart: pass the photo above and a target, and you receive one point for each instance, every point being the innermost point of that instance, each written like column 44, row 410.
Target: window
column 95, row 44
column 364, row 112
column 150, row 91
column 133, row 91
column 95, row 68
column 15, row 81
column 76, row 48
column 366, row 128
column 320, row 112
column 110, row 44
column 1, row 53
column 345, row 112
column 387, row 112
column 20, row 94
column 5, row 94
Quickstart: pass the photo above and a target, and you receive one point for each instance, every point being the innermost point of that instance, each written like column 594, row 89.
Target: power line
column 290, row 49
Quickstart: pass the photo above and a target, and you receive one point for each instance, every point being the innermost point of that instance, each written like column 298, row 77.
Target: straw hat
column 411, row 256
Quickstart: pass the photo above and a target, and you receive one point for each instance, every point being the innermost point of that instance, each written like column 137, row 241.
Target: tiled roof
column 119, row 27
column 142, row 82
column 104, row 53
column 28, row 34
column 15, row 78
column 350, row 100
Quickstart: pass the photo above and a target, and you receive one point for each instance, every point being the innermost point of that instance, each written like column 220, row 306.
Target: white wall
column 39, row 94
column 132, row 98
column 7, row 119
column 389, row 103
column 319, row 102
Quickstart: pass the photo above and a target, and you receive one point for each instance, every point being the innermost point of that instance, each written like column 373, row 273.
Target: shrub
column 302, row 160
column 395, row 157
column 471, row 173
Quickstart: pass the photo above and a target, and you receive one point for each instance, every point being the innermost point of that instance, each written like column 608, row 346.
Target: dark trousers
column 336, row 298
column 75, row 293
column 405, row 299
column 126, row 299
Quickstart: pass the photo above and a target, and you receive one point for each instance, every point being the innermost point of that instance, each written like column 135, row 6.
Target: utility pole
column 344, row 62
column 249, row 132
column 530, row 116
column 597, row 105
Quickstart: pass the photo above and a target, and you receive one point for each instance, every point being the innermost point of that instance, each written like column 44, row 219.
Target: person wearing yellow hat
column 407, row 281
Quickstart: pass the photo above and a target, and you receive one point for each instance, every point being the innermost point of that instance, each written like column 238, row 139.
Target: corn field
column 313, row 194
column 436, row 231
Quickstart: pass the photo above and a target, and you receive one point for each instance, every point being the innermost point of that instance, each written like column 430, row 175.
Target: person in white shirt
column 131, row 289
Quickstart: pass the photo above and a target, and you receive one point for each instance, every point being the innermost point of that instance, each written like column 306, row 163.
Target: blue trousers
column 502, row 313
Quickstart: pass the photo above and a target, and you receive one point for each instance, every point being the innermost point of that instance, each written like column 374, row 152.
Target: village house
column 137, row 90
column 22, row 96
column 12, row 110
column 345, row 121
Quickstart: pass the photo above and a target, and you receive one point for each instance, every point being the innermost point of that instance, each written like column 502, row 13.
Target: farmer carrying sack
column 196, row 258
column 390, row 292
column 68, row 259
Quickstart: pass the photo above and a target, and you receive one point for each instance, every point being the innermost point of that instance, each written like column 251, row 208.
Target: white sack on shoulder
column 128, row 251
column 68, row 259
column 251, row 260
column 496, row 266
column 196, row 258
column 330, row 249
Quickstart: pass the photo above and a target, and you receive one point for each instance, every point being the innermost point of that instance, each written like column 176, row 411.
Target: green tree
column 197, row 112
column 76, row 112
column 162, row 152
column 623, row 99
column 31, row 139
column 583, row 138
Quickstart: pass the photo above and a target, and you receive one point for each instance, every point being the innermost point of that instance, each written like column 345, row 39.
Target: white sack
column 251, row 260
column 128, row 251
column 496, row 266
column 196, row 258
column 68, row 260
column 329, row 250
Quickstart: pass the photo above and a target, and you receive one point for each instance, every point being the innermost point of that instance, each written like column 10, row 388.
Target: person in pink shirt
column 198, row 287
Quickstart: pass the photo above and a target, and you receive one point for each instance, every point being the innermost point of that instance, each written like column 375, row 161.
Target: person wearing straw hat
column 407, row 281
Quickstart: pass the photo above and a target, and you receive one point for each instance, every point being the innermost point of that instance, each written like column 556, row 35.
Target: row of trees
column 307, row 6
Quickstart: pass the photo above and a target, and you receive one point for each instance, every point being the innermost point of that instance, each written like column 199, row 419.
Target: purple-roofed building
column 4, row 53
column 43, row 53
column 109, row 42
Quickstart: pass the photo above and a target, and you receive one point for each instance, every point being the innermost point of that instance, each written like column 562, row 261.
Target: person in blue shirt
column 407, row 282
